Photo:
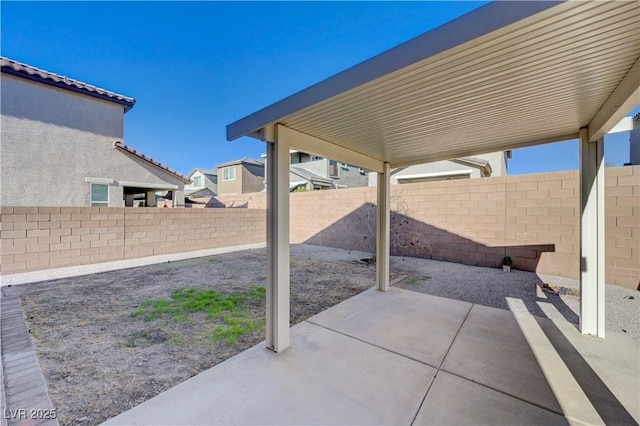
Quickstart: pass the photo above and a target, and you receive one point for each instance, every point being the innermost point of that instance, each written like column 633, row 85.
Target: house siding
column 230, row 186
column 496, row 160
column 208, row 181
column 252, row 178
column 53, row 139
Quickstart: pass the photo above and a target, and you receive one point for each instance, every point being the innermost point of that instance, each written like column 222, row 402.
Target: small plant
column 507, row 263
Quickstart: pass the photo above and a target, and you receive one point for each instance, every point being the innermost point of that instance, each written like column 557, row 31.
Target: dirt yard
column 109, row 341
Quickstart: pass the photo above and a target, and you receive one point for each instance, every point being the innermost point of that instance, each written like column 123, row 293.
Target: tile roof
column 18, row 69
column 119, row 145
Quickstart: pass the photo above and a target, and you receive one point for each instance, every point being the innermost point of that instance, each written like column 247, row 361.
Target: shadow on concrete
column 603, row 400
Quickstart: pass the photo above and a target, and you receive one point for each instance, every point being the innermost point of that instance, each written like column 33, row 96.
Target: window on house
column 229, row 173
column 197, row 181
column 99, row 195
column 334, row 169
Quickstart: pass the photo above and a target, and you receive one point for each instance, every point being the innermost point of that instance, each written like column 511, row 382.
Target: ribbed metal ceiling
column 542, row 77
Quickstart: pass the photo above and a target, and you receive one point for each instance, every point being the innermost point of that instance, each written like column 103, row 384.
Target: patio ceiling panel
column 537, row 79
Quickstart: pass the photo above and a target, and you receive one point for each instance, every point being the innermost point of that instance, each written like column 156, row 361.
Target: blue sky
column 195, row 67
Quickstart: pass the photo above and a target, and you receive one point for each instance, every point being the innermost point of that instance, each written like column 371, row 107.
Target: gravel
column 518, row 291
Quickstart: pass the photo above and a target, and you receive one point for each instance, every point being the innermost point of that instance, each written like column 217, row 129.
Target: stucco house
column 203, row 183
column 313, row 172
column 484, row 165
column 301, row 179
column 240, row 176
column 61, row 144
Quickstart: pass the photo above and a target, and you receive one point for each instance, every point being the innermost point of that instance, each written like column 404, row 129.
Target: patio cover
column 507, row 75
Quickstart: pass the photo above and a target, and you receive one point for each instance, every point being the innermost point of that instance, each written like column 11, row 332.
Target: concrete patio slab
column 491, row 350
column 324, row 378
column 549, row 364
column 356, row 364
column 415, row 325
column 453, row 400
column 597, row 378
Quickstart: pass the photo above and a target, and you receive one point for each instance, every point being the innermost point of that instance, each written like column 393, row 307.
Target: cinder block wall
column 35, row 238
column 532, row 218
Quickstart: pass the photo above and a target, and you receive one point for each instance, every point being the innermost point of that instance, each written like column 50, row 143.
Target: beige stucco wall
column 252, row 178
column 230, row 186
column 52, row 140
column 249, row 178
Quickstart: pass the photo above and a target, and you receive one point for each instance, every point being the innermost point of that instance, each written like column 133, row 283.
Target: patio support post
column 277, row 326
column 383, row 230
column 592, row 280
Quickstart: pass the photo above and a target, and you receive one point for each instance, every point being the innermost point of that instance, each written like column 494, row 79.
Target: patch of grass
column 258, row 293
column 212, row 260
column 235, row 327
column 293, row 264
column 230, row 309
column 187, row 301
column 414, row 280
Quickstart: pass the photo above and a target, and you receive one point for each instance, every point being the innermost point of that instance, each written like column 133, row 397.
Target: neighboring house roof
column 309, row 175
column 18, row 69
column 474, row 161
column 198, row 191
column 245, row 160
column 209, row 172
column 122, row 147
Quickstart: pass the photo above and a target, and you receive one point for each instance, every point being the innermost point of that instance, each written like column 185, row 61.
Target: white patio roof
column 507, row 75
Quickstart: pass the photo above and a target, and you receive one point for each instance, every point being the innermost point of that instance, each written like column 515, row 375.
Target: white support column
column 592, row 242
column 151, row 198
column 277, row 245
column 383, row 229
